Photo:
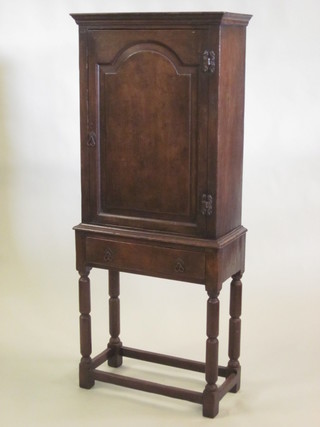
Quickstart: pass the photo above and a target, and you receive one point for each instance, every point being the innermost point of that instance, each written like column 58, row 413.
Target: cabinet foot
column 116, row 359
column 210, row 406
column 85, row 374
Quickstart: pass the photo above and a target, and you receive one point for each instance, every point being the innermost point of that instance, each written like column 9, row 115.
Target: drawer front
column 175, row 264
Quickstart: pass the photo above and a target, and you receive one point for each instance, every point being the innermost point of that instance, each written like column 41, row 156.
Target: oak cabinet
column 162, row 102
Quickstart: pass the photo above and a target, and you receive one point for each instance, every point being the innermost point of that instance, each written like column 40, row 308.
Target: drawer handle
column 179, row 267
column 108, row 255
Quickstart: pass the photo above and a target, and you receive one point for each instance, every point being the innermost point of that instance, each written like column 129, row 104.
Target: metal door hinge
column 206, row 204
column 209, row 61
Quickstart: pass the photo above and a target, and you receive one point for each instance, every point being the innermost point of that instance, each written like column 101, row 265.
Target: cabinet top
column 155, row 19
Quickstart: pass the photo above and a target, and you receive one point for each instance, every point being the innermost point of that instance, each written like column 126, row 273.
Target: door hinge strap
column 206, row 204
column 209, row 61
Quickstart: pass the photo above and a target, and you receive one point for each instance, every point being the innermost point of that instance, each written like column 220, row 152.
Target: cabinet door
column 146, row 129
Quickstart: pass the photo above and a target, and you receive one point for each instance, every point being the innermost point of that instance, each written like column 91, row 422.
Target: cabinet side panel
column 83, row 75
column 230, row 129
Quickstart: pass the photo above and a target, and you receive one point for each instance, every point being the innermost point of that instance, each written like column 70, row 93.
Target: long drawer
column 185, row 265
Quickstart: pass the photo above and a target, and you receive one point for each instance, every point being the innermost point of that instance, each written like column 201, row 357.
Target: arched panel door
column 147, row 157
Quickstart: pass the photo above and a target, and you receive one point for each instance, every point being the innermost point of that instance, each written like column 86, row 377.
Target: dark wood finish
column 151, row 387
column 150, row 160
column 161, row 239
column 114, row 319
column 102, row 357
column 159, row 20
column 176, row 362
column 85, row 370
column 161, row 108
column 131, row 86
column 163, row 359
column 146, row 259
column 235, row 327
column 210, row 394
column 225, row 148
column 146, row 169
column 228, row 385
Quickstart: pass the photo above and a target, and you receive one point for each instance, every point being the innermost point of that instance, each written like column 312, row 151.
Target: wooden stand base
column 231, row 378
column 194, row 260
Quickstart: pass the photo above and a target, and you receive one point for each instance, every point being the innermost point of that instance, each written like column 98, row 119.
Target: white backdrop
column 40, row 202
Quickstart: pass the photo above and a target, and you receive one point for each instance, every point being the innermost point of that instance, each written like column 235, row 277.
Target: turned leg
column 85, row 371
column 235, row 327
column 114, row 319
column 210, row 394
